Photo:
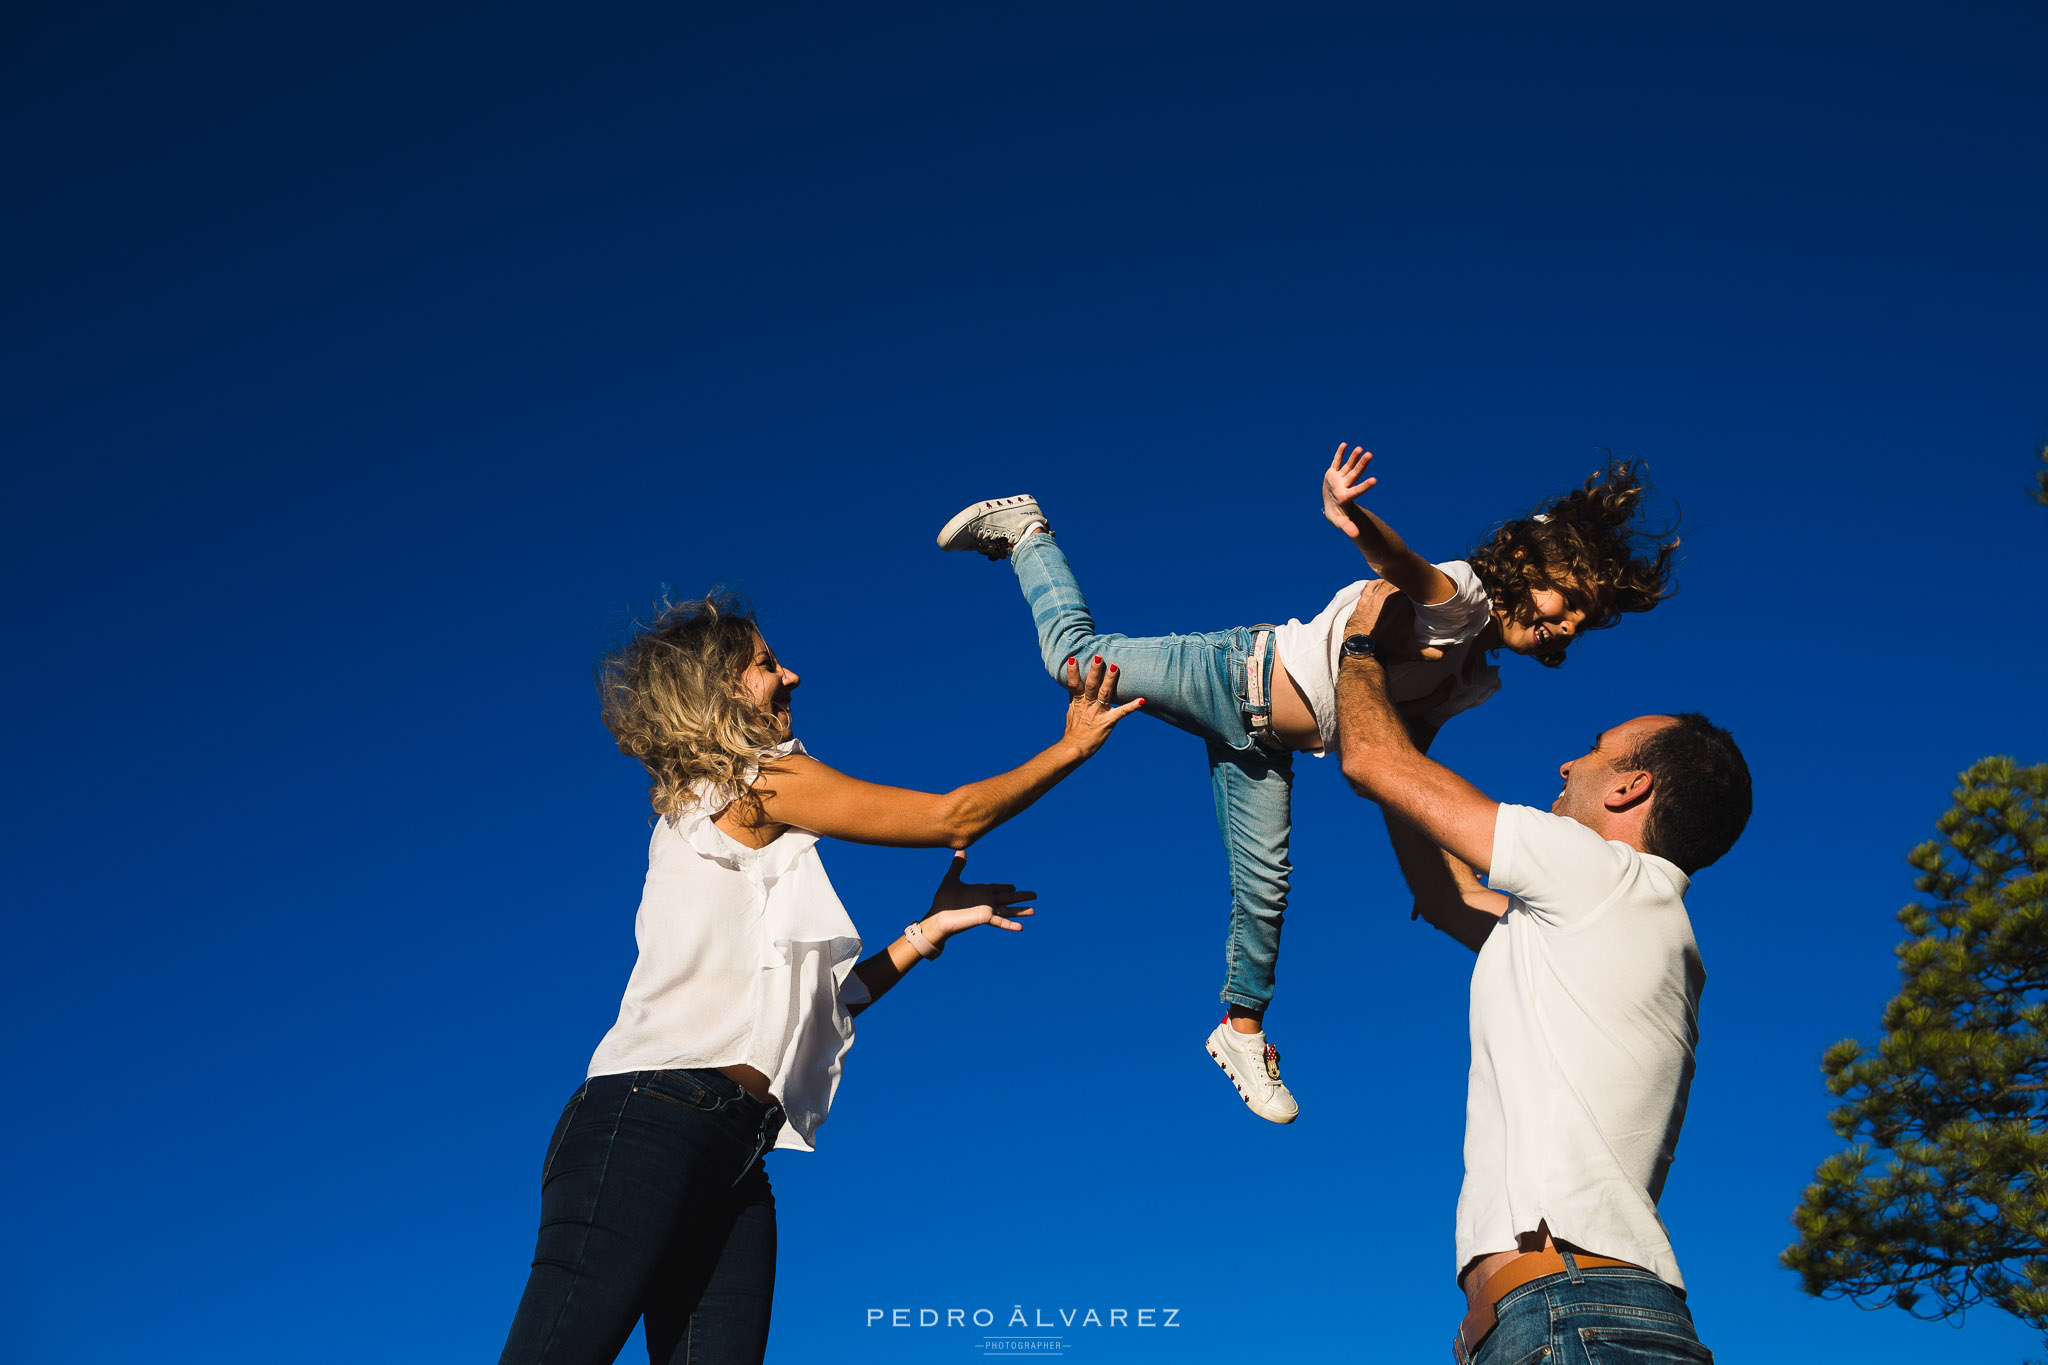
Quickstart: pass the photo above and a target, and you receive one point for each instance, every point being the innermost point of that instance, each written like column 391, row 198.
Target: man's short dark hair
column 1700, row 791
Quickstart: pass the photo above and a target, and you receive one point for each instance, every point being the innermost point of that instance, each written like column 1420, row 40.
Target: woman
column 655, row 1202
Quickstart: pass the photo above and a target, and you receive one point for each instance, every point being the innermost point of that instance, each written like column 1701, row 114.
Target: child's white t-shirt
column 1310, row 652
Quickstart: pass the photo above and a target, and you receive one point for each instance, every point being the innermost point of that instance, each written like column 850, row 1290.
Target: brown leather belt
column 1533, row 1265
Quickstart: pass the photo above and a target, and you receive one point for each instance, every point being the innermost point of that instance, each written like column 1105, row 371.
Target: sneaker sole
column 1239, row 1087
column 980, row 509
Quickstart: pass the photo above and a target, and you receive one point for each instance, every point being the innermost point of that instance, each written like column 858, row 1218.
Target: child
column 1259, row 693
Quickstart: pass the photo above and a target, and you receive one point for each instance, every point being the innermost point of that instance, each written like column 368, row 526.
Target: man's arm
column 1382, row 763
column 1447, row 895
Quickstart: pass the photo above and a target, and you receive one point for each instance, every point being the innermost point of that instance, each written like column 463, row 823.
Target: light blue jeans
column 1197, row 683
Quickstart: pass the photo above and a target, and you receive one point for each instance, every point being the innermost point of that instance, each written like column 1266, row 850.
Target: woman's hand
column 956, row 906
column 1092, row 712
column 959, row 905
column 1342, row 486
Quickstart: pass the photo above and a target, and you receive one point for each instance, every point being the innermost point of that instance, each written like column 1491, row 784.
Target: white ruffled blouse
column 746, row 959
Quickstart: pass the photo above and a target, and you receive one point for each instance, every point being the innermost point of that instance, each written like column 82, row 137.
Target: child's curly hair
column 671, row 697
column 1589, row 534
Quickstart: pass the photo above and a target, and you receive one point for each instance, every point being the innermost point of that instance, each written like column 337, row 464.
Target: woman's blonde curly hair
column 671, row 697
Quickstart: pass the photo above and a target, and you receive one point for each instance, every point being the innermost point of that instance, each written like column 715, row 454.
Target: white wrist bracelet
column 926, row 949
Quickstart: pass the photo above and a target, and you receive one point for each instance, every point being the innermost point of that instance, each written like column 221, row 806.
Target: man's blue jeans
column 654, row 1204
column 1198, row 683
column 1608, row 1315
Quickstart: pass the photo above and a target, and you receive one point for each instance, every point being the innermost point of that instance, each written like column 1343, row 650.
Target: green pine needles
column 1956, row 1096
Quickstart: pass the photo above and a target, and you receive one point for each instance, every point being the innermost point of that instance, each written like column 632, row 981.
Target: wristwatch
column 1357, row 647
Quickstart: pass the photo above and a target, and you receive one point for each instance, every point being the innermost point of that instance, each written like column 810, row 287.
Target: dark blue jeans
column 654, row 1203
column 1608, row 1315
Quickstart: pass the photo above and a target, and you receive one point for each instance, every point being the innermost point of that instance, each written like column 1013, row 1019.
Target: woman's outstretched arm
column 804, row 793
column 956, row 906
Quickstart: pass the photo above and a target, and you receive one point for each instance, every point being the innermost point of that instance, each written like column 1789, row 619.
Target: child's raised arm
column 1388, row 554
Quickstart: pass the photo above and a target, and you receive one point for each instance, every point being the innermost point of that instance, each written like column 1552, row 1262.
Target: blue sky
column 372, row 366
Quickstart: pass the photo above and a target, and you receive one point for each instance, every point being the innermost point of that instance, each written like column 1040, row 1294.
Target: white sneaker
column 992, row 527
column 1253, row 1065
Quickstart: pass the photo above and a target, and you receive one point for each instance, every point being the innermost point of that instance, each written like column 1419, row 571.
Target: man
column 1584, row 1011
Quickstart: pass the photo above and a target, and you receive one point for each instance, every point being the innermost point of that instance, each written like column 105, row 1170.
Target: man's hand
column 1383, row 764
column 1341, row 487
column 1388, row 616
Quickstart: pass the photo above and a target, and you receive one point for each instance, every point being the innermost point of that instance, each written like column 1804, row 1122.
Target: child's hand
column 1341, row 485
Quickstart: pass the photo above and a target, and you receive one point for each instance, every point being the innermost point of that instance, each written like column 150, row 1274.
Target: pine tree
column 1957, row 1092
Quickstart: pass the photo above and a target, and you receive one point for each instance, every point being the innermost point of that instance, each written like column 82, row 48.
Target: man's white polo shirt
column 1585, row 1012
